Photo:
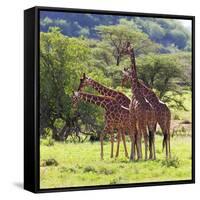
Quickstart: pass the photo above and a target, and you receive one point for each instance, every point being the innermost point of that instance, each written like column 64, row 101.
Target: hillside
column 171, row 34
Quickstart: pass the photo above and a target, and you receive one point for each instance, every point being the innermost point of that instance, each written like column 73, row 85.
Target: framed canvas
column 96, row 79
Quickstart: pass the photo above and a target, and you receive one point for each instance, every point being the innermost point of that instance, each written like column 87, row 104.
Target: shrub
column 176, row 117
column 115, row 180
column 47, row 142
column 106, row 171
column 70, row 169
column 186, row 122
column 49, row 162
column 89, row 169
column 172, row 162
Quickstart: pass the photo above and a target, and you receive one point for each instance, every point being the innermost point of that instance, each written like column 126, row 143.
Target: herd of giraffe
column 137, row 116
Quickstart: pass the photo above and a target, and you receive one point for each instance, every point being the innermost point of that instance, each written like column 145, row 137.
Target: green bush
column 172, row 162
column 49, row 162
column 89, row 169
column 47, row 142
column 47, row 138
column 176, row 117
column 106, row 171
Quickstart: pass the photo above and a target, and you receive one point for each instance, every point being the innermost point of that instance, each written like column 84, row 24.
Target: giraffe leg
column 112, row 144
column 145, row 143
column 168, row 142
column 166, row 138
column 132, row 133
column 150, row 144
column 124, row 142
column 101, row 140
column 136, row 149
column 118, row 142
column 169, row 149
column 138, row 142
column 166, row 145
column 139, row 146
column 132, row 155
column 153, row 146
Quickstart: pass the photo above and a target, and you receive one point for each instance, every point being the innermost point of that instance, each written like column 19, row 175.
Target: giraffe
column 145, row 114
column 163, row 114
column 121, row 98
column 116, row 117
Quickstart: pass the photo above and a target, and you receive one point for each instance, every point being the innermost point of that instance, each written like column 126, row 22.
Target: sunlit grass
column 80, row 164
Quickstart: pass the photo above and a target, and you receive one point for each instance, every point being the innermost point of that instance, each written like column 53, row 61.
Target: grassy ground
column 65, row 165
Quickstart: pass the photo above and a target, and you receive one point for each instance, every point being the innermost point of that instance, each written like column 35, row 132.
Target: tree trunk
column 62, row 132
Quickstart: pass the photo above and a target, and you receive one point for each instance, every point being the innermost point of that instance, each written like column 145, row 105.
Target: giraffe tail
column 163, row 145
column 164, row 141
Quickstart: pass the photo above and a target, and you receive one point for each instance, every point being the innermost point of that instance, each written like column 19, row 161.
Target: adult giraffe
column 163, row 114
column 121, row 98
column 116, row 117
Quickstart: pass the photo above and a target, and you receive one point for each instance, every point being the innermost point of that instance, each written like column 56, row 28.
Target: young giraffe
column 121, row 99
column 163, row 114
column 116, row 117
column 145, row 114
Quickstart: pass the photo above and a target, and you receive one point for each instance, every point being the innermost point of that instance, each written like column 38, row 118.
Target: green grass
column 66, row 165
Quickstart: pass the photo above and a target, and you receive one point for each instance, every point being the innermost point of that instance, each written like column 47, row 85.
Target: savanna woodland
column 77, row 50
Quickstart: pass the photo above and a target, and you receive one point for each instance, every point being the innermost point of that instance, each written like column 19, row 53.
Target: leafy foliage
column 61, row 64
column 165, row 72
column 117, row 36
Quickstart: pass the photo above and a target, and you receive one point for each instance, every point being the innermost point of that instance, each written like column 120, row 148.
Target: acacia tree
column 117, row 37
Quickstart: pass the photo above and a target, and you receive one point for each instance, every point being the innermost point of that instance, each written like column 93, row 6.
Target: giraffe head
column 126, row 49
column 75, row 98
column 84, row 81
column 126, row 77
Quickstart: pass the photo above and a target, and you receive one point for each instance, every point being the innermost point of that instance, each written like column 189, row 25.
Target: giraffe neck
column 134, row 79
column 132, row 56
column 136, row 90
column 102, row 89
column 149, row 95
column 141, row 90
column 97, row 100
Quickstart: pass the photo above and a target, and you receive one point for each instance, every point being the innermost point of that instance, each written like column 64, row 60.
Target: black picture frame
column 32, row 96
